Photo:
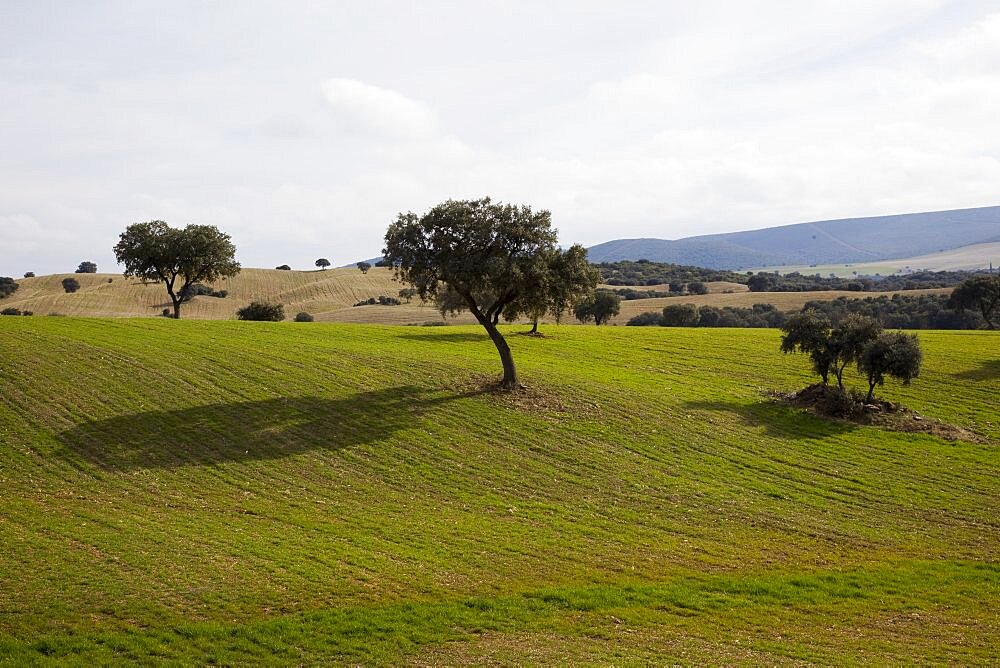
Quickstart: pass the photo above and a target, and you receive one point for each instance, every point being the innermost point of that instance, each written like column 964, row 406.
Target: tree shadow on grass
column 777, row 420
column 251, row 430
column 990, row 370
column 451, row 337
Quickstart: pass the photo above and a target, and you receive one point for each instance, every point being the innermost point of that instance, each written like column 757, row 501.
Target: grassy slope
column 976, row 256
column 237, row 492
column 328, row 295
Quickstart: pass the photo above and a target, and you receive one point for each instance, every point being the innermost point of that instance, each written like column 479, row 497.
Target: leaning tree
column 487, row 257
column 178, row 258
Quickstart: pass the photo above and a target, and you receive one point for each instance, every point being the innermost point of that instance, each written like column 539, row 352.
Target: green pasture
column 216, row 492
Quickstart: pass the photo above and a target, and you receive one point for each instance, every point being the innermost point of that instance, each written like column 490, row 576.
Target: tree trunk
column 871, row 391
column 177, row 307
column 534, row 326
column 509, row 380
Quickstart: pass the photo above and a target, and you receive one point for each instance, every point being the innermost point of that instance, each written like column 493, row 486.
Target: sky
column 303, row 128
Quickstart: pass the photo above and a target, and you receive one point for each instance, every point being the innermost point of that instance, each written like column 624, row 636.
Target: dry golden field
column 329, row 296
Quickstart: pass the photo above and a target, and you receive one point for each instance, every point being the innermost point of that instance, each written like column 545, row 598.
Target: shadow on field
column 251, row 430
column 454, row 337
column 777, row 420
column 990, row 370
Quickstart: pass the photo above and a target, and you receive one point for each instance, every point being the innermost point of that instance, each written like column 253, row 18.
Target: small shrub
column 70, row 284
column 111, row 280
column 167, row 313
column 302, row 316
column 10, row 310
column 262, row 311
column 8, row 286
column 283, row 267
column 29, row 274
column 647, row 319
column 697, row 288
column 197, row 289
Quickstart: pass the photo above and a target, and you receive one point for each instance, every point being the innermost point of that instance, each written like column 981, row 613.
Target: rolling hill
column 966, row 258
column 327, row 295
column 196, row 492
column 822, row 242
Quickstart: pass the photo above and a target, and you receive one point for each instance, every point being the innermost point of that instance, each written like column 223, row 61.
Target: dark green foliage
column 70, row 284
column 154, row 251
column 322, row 263
column 680, row 315
column 262, row 311
column 644, row 272
column 302, row 316
column 631, row 293
column 29, row 274
column 283, row 267
column 900, row 311
column 982, row 293
column 697, row 288
column 894, row 354
column 407, row 294
column 491, row 258
column 189, row 292
column 364, row 267
column 809, row 332
column 847, row 341
column 381, row 300
column 647, row 319
column 763, row 282
column 600, row 308
column 8, row 286
column 87, row 268
column 15, row 311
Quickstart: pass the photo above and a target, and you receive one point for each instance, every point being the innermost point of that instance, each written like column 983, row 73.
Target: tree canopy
column 983, row 293
column 154, row 251
column 894, row 354
column 322, row 263
column 489, row 258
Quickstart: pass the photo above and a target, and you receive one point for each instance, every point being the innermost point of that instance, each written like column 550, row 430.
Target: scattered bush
column 29, row 274
column 302, row 316
column 14, row 311
column 70, row 284
column 697, row 288
column 8, row 286
column 283, row 267
column 262, row 311
column 364, row 267
column 87, row 268
column 196, row 289
column 381, row 300
column 647, row 319
column 167, row 313
column 407, row 294
column 680, row 315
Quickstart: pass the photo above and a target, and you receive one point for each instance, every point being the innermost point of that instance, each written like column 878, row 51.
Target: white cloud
column 362, row 105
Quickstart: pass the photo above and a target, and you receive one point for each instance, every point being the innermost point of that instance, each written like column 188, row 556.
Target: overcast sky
column 303, row 128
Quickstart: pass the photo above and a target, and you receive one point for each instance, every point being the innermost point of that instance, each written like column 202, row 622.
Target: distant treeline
column 644, row 272
column 898, row 311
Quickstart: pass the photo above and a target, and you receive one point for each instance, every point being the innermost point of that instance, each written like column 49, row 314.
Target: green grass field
column 201, row 492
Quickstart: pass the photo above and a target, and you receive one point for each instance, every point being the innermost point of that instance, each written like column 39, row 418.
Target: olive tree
column 848, row 340
column 364, row 267
column 569, row 279
column 894, row 354
column 154, row 251
column 322, row 263
column 482, row 256
column 600, row 308
column 981, row 292
column 809, row 333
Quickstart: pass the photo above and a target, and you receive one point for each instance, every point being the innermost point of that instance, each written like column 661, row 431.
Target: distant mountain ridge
column 820, row 242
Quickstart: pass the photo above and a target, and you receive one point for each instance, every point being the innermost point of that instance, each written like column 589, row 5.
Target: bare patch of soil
column 829, row 401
